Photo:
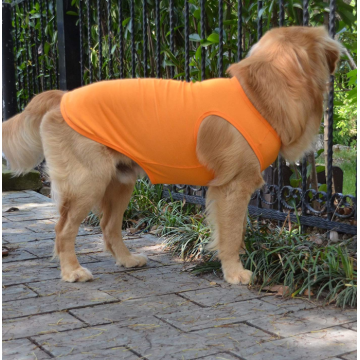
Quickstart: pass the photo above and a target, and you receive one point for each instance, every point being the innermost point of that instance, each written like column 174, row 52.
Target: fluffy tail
column 22, row 145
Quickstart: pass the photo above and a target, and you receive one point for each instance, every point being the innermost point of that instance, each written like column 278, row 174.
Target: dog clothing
column 155, row 122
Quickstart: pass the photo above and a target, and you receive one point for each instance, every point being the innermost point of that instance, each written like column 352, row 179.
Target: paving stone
column 17, row 255
column 217, row 296
column 149, row 337
column 39, row 324
column 291, row 324
column 40, row 225
column 109, row 283
column 119, row 285
column 130, row 309
column 234, row 337
column 22, row 349
column 109, row 265
column 329, row 316
column 15, row 228
column 317, row 345
column 352, row 326
column 16, row 194
column 119, row 353
column 17, row 292
column 64, row 301
column 27, row 237
column 289, row 304
column 171, row 278
column 27, row 215
column 221, row 315
column 45, row 248
column 219, row 356
column 166, row 259
column 28, row 271
column 350, row 356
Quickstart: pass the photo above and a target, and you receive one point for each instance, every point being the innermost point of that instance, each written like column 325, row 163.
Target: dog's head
column 285, row 76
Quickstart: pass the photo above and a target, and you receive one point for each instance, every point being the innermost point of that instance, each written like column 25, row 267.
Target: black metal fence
column 71, row 43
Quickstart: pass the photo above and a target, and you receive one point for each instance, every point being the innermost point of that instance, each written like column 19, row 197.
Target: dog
column 284, row 77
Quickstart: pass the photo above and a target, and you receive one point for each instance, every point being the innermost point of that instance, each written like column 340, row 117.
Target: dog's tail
column 22, row 145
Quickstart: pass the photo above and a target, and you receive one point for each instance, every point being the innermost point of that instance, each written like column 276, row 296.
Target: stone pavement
column 157, row 312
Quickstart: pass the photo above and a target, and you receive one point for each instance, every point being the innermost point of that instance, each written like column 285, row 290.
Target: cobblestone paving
column 158, row 312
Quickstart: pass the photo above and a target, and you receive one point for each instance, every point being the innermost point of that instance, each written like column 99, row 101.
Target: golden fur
column 285, row 77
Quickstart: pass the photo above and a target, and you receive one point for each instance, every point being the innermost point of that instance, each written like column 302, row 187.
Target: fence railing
column 66, row 44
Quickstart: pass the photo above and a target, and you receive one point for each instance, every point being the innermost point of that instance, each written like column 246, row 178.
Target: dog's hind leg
column 80, row 170
column 73, row 210
column 113, row 205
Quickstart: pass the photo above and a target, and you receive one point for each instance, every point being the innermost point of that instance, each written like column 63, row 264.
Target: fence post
column 8, row 65
column 68, row 45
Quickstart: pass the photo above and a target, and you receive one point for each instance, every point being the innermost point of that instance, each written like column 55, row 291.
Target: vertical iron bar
column 157, row 21
column 47, row 39
column 305, row 12
column 8, row 64
column 259, row 24
column 100, row 35
column 69, row 47
column 303, row 162
column 281, row 13
column 221, row 37
column 42, row 45
column 27, row 58
column 132, row 15
column 187, row 55
column 203, row 37
column 145, row 39
column 239, row 31
column 17, row 74
column 331, row 118
column 36, row 51
column 280, row 160
column 81, row 43
column 89, row 39
column 111, row 70
column 55, row 51
column 33, row 75
column 172, row 69
column 121, row 40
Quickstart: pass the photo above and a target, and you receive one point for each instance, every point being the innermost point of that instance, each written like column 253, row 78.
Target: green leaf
column 322, row 187
column 168, row 62
column 46, row 48
column 205, row 43
column 194, row 37
column 352, row 73
column 197, row 14
column 295, row 183
column 214, row 38
column 113, row 49
column 319, row 152
column 198, row 53
column 125, row 22
column 320, row 168
column 72, row 13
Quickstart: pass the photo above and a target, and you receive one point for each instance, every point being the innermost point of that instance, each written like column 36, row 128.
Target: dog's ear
column 233, row 69
column 331, row 47
column 332, row 51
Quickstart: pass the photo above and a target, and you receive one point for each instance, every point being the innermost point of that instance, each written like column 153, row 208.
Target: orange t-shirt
column 155, row 122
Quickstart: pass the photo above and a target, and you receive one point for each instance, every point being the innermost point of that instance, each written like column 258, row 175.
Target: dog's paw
column 81, row 275
column 133, row 261
column 236, row 274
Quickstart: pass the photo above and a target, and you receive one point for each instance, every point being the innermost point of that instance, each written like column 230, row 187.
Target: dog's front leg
column 227, row 207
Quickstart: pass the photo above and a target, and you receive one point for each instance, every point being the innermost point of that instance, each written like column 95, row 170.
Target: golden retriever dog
column 285, row 77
